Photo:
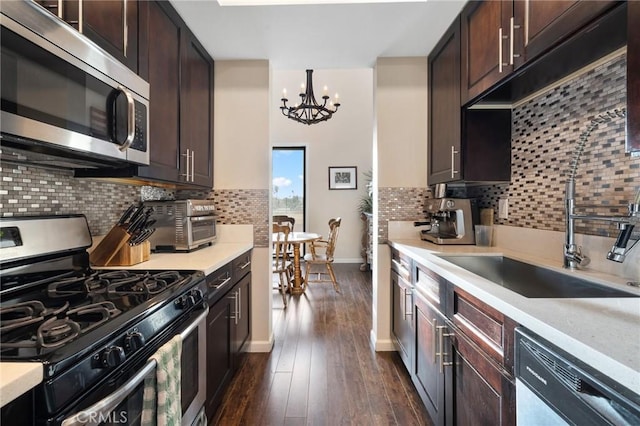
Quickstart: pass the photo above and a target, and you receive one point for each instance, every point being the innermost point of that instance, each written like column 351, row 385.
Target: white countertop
column 17, row 378
column 206, row 259
column 602, row 332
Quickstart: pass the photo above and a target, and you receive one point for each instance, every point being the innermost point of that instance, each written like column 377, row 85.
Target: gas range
column 86, row 326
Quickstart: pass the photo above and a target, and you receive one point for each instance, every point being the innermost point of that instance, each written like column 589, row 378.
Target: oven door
column 123, row 406
column 202, row 229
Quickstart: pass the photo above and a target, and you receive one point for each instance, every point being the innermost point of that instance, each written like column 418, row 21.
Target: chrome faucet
column 573, row 256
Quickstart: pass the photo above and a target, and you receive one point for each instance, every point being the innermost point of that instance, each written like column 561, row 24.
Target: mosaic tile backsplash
column 26, row 190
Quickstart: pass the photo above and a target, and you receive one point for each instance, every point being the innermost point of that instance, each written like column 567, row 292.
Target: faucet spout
column 621, row 247
column 573, row 257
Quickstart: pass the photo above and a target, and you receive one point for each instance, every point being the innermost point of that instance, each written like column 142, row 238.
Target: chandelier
column 309, row 111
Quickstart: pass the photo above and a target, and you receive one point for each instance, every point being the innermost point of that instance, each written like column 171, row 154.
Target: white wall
column 344, row 140
column 401, row 161
column 241, row 161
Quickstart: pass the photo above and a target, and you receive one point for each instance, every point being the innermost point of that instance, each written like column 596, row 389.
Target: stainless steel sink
column 531, row 280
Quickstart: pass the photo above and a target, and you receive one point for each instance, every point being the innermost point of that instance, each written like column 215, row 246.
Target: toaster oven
column 182, row 225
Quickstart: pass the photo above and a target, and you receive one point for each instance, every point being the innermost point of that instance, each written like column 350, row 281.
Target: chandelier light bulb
column 325, row 90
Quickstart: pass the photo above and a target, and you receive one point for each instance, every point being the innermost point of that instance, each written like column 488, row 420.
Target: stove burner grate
column 55, row 327
column 25, row 313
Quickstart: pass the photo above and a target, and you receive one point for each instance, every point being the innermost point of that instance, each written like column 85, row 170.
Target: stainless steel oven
column 93, row 330
column 65, row 97
column 182, row 225
column 123, row 405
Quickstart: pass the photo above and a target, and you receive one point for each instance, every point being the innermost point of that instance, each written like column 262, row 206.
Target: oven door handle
column 101, row 409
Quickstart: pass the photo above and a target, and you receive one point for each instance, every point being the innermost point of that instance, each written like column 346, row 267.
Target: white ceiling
column 327, row 36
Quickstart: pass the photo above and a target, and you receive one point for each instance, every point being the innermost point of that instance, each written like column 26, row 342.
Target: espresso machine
column 450, row 220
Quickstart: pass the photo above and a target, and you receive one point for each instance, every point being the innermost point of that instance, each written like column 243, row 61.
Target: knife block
column 131, row 255
column 109, row 246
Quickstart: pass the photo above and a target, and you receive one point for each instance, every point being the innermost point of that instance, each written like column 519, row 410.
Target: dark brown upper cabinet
column 470, row 145
column 543, row 24
column 196, row 114
column 546, row 40
column 180, row 75
column 444, row 107
column 111, row 24
column 487, row 52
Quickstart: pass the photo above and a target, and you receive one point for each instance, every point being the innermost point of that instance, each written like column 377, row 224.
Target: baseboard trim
column 260, row 346
column 381, row 345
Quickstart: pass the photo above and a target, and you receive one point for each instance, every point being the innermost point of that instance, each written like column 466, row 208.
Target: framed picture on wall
column 343, row 178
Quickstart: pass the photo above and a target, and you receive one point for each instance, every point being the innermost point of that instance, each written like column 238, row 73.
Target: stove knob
column 185, row 302
column 133, row 341
column 112, row 357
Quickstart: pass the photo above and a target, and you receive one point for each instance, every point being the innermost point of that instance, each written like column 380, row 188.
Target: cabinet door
column 113, row 25
column 482, row 394
column 402, row 322
column 196, row 121
column 427, row 375
column 444, row 108
column 242, row 314
column 219, row 357
column 486, row 47
column 547, row 23
column 163, row 56
column 633, row 78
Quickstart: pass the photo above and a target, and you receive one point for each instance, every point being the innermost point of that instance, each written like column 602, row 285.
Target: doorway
column 288, row 186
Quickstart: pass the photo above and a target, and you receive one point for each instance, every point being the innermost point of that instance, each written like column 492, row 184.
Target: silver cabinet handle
column 80, row 17
column 245, row 265
column 193, row 168
column 235, row 307
column 240, row 303
column 186, row 175
column 501, row 37
column 512, row 27
column 453, row 162
column 434, row 343
column 60, row 14
column 125, row 29
column 500, row 50
column 408, row 312
column 442, row 353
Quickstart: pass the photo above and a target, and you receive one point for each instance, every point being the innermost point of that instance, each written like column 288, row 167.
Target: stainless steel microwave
column 63, row 96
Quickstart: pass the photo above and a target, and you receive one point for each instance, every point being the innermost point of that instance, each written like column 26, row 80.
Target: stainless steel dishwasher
column 555, row 388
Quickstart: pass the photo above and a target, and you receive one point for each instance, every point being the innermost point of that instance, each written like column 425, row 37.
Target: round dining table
column 296, row 239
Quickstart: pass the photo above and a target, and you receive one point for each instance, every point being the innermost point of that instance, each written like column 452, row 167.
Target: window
column 288, row 186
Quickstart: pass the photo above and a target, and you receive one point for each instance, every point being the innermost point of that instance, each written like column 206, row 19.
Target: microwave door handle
column 102, row 408
column 131, row 119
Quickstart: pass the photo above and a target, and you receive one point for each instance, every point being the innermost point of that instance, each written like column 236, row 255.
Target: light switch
column 503, row 208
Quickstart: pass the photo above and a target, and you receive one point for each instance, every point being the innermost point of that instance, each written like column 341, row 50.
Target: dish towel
column 161, row 405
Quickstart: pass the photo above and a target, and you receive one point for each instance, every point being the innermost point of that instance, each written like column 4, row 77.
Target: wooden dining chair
column 281, row 263
column 289, row 221
column 284, row 220
column 321, row 253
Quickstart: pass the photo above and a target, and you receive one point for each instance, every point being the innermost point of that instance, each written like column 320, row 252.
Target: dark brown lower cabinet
column 428, row 377
column 219, row 355
column 228, row 326
column 482, row 394
column 460, row 381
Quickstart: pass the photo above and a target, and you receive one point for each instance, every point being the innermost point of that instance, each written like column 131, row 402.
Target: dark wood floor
column 322, row 370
